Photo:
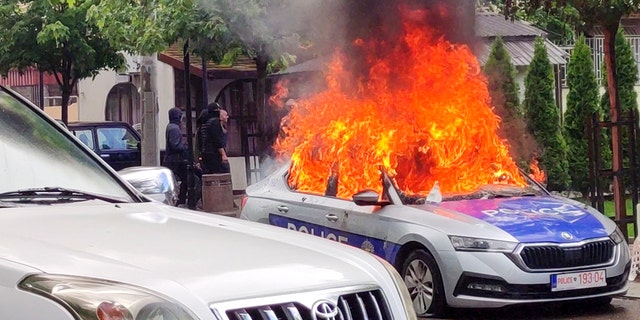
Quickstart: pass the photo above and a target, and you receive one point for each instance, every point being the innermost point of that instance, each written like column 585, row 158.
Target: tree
column 57, row 38
column 543, row 118
column 627, row 71
column 627, row 78
column 503, row 89
column 581, row 104
column 607, row 14
column 259, row 27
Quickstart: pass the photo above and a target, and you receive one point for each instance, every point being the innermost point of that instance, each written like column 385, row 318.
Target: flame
column 280, row 91
column 423, row 114
column 536, row 173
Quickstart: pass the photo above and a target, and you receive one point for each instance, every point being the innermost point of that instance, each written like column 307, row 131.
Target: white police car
column 78, row 242
column 498, row 246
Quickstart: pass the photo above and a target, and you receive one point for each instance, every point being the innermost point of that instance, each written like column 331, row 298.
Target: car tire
column 422, row 277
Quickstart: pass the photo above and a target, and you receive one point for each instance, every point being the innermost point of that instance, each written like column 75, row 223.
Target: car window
column 111, row 138
column 35, row 153
column 85, row 136
column 116, row 139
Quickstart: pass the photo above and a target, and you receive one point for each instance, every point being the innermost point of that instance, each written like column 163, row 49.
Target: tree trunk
column 64, row 105
column 615, row 111
column 261, row 106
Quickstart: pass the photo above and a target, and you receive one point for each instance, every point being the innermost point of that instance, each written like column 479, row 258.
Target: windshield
column 36, row 154
column 487, row 191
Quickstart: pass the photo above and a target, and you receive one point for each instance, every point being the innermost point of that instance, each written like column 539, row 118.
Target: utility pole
column 149, row 151
column 191, row 199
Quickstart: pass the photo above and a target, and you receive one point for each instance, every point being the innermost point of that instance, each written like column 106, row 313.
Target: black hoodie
column 176, row 150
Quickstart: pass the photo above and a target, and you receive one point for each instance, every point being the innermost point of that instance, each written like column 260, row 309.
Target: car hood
column 532, row 219
column 205, row 255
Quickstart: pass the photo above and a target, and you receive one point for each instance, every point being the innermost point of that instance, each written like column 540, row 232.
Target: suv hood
column 534, row 219
column 144, row 244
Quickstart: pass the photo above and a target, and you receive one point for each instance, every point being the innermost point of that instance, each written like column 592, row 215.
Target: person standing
column 214, row 142
column 176, row 157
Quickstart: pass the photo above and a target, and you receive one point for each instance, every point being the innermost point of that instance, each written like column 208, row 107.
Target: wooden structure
column 600, row 176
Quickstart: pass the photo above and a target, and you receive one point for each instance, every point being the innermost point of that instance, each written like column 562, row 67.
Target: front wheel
column 422, row 277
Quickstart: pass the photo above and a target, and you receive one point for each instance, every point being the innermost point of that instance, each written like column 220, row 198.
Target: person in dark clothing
column 211, row 111
column 214, row 142
column 176, row 157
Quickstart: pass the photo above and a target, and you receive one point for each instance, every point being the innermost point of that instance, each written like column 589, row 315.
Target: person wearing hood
column 175, row 156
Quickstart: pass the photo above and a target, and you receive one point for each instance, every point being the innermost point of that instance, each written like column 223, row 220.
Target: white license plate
column 578, row 280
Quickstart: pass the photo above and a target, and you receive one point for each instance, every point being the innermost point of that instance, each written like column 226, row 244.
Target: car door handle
column 331, row 217
column 283, row 209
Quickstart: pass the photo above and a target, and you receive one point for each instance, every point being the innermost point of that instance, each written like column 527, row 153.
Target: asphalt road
column 620, row 309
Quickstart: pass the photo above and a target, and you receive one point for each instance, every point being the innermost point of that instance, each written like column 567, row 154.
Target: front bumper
column 473, row 283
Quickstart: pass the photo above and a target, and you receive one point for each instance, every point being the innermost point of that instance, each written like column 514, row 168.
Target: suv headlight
column 617, row 236
column 91, row 299
column 407, row 303
column 477, row 244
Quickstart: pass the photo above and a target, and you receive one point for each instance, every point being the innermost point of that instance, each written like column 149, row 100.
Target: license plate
column 578, row 280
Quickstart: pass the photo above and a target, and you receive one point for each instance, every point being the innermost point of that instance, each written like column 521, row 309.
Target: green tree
column 607, row 14
column 581, row 104
column 500, row 74
column 57, row 38
column 543, row 118
column 503, row 89
column 626, row 69
column 231, row 28
column 267, row 36
column 148, row 27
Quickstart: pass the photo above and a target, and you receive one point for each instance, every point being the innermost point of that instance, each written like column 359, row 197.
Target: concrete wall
column 92, row 95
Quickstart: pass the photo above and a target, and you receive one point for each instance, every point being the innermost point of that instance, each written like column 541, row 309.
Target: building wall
column 92, row 95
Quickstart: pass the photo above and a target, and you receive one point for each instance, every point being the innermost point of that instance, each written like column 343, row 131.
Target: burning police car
column 499, row 245
column 78, row 242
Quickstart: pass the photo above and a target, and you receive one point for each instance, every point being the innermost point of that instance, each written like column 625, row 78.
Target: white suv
column 78, row 242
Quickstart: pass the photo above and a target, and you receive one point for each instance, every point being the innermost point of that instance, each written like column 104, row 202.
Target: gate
column 601, row 174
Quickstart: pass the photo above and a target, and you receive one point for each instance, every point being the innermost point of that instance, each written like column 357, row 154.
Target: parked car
column 78, row 242
column 500, row 245
column 117, row 143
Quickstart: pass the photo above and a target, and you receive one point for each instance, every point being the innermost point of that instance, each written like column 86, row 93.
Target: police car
column 77, row 242
column 500, row 245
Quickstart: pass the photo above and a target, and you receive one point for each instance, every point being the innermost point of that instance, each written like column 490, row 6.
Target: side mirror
column 368, row 198
column 157, row 183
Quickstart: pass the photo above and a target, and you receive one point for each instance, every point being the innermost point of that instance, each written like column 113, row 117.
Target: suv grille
column 556, row 257
column 367, row 305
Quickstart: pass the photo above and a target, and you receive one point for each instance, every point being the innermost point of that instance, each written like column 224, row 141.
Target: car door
column 307, row 213
column 365, row 227
column 336, row 219
column 118, row 145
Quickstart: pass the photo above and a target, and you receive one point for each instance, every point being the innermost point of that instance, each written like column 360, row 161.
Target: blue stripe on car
column 533, row 219
column 384, row 249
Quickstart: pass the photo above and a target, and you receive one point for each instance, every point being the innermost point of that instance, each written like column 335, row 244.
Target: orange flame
column 280, row 91
column 536, row 173
column 423, row 114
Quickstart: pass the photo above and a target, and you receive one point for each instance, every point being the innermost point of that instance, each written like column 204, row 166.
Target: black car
column 117, row 143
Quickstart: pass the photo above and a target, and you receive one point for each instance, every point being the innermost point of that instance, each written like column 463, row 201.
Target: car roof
column 96, row 123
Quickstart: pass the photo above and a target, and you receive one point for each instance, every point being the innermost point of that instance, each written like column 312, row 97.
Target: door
column 119, row 146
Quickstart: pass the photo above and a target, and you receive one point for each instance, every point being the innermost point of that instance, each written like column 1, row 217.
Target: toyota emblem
column 566, row 235
column 326, row 310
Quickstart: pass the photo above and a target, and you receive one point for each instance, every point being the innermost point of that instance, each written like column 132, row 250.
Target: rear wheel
column 422, row 277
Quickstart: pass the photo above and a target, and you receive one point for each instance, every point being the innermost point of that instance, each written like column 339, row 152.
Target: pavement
column 634, row 289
